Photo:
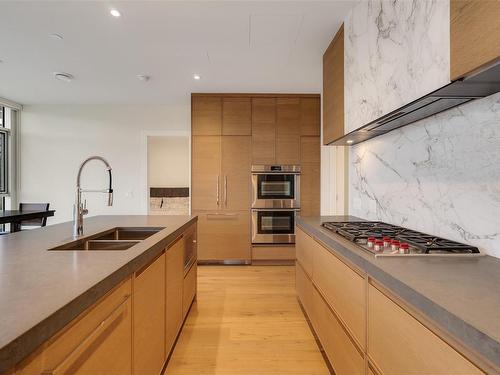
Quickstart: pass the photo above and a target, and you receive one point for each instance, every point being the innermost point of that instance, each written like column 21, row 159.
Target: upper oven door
column 275, row 190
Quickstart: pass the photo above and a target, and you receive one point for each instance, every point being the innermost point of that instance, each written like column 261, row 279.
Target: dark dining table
column 15, row 217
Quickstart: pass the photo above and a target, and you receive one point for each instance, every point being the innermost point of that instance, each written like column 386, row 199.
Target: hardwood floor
column 246, row 320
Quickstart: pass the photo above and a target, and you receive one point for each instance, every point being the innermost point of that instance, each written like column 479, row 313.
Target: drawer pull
column 71, row 358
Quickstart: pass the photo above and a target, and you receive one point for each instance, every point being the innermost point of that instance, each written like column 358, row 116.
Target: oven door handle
column 275, row 209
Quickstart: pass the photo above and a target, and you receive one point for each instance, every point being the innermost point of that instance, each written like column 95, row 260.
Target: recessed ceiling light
column 56, row 36
column 115, row 13
column 350, row 141
column 65, row 77
column 196, row 76
column 143, row 77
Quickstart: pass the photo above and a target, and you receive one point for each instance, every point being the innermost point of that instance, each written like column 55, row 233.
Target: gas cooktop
column 384, row 239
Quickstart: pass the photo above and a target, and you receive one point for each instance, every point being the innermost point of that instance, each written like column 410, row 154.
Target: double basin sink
column 119, row 238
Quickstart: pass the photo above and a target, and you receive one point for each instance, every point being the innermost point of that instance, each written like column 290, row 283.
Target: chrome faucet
column 80, row 209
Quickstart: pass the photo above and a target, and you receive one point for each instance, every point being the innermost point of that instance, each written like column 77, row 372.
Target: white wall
column 168, row 161
column 56, row 139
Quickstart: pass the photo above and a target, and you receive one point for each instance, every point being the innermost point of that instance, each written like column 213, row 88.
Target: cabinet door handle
column 217, row 190
column 71, row 358
column 225, row 191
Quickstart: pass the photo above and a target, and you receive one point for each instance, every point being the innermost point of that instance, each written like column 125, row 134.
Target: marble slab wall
column 394, row 52
column 440, row 175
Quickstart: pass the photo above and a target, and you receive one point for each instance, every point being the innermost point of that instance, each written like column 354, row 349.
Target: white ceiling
column 236, row 46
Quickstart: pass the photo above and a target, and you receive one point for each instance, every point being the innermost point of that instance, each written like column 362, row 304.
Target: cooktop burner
column 384, row 239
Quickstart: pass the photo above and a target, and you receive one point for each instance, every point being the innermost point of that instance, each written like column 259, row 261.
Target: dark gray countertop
column 461, row 295
column 41, row 291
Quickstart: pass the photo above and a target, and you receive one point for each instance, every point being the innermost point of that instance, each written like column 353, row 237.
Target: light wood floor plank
column 246, row 320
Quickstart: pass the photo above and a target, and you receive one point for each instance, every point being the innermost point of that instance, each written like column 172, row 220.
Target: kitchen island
column 399, row 312
column 43, row 292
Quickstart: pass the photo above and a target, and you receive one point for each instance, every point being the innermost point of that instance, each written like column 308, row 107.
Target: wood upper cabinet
column 263, row 130
column 288, row 131
column 398, row 343
column 235, row 172
column 174, row 258
column 97, row 342
column 474, row 33
column 149, row 318
column 310, row 116
column 333, row 89
column 205, row 173
column 236, row 116
column 310, row 151
column 206, row 115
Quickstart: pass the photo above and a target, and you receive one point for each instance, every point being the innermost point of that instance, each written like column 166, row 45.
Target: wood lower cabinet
column 398, row 343
column 189, row 289
column 97, row 342
column 149, row 318
column 223, row 236
column 273, row 253
column 304, row 287
column 340, row 350
column 304, row 245
column 474, row 35
column 174, row 292
column 343, row 288
column 333, row 89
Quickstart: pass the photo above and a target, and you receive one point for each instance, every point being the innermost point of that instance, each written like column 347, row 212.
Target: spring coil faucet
column 79, row 209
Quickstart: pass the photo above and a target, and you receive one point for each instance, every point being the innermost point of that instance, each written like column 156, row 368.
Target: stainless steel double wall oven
column 275, row 203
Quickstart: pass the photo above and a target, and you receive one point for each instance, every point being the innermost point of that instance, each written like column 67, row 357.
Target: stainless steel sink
column 120, row 238
column 128, row 233
column 97, row 245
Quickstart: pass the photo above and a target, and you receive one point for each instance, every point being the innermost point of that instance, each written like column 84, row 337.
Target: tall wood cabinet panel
column 223, row 235
column 235, row 172
column 236, row 116
column 205, row 172
column 310, row 152
column 474, row 34
column 288, row 118
column 149, row 318
column 206, row 115
column 310, row 116
column 174, row 261
column 398, row 343
column 263, row 130
column 333, row 89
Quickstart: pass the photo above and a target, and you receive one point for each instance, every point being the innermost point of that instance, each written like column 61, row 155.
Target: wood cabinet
column 310, row 151
column 174, row 258
column 206, row 115
column 281, row 254
column 205, row 172
column 340, row 350
column 474, row 35
column 236, row 116
column 149, row 317
column 263, row 130
column 333, row 89
column 189, row 289
column 310, row 113
column 235, row 172
column 288, row 115
column 304, row 245
column 343, row 288
column 304, row 287
column 97, row 342
column 223, row 235
column 398, row 343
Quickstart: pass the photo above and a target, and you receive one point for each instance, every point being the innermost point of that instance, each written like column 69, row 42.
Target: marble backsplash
column 440, row 175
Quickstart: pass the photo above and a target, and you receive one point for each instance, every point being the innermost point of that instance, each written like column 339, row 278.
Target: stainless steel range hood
column 476, row 85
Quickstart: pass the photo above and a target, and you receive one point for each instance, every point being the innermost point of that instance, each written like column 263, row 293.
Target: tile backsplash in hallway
column 440, row 175
column 169, row 201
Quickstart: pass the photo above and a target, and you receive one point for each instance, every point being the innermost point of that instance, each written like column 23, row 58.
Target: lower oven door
column 273, row 226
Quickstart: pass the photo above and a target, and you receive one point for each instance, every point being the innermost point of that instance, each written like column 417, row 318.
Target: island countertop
column 42, row 291
column 460, row 294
